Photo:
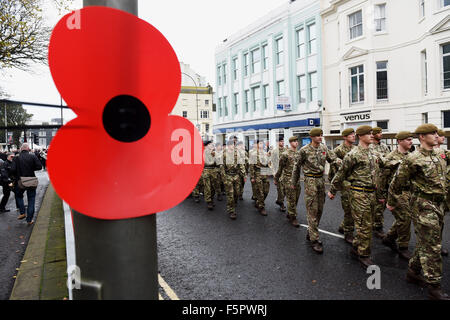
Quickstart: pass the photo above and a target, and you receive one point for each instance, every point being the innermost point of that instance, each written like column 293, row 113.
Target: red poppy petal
column 107, row 179
column 113, row 53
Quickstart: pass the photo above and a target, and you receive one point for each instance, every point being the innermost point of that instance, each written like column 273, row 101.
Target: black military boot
column 444, row 252
column 389, row 242
column 197, row 199
column 404, row 253
column 241, row 198
column 307, row 236
column 282, row 208
column 348, row 238
column 233, row 215
column 219, row 197
column 262, row 211
column 378, row 232
column 317, row 246
column 365, row 261
column 341, row 229
column 294, row 221
column 415, row 278
column 354, row 253
column 210, row 206
column 435, row 292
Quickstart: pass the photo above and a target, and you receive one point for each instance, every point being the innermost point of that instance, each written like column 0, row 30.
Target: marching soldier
column 219, row 152
column 359, row 170
column 244, row 157
column 232, row 171
column 441, row 141
column 312, row 158
column 425, row 170
column 209, row 176
column 382, row 150
column 275, row 159
column 283, row 177
column 398, row 236
column 252, row 158
column 259, row 171
column 347, row 226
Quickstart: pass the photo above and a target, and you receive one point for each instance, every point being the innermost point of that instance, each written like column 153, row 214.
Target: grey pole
column 117, row 259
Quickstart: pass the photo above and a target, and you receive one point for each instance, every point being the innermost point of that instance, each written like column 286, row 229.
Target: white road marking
column 170, row 293
column 326, row 232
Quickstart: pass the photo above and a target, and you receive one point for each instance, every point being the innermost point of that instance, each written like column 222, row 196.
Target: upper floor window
column 279, row 50
column 300, row 43
column 219, row 105
column 236, row 102
column 355, row 24
column 357, row 84
column 445, row 3
column 245, row 64
column 235, row 68
column 313, row 86
column 256, row 98
column 301, row 83
column 247, row 99
column 219, row 75
column 312, row 47
column 446, row 65
column 256, row 61
column 204, row 114
column 225, row 107
column 224, row 67
column 380, row 17
column 265, row 57
column 280, row 88
column 382, row 80
column 184, row 114
column 266, row 96
column 422, row 8
column 424, row 72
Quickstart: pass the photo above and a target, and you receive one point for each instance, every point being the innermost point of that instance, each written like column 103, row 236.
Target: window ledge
column 443, row 9
column 357, row 103
column 355, row 39
column 380, row 33
column 382, row 101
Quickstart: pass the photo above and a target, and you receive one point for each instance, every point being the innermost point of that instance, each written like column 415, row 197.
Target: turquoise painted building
column 269, row 76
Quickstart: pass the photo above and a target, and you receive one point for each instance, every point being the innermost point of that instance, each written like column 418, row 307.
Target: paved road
column 14, row 236
column 205, row 255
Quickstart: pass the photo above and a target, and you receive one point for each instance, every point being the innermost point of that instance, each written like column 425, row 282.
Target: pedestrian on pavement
column 25, row 165
column 360, row 168
column 6, row 181
column 312, row 159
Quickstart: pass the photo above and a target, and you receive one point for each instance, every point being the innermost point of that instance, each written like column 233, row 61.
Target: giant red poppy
column 122, row 78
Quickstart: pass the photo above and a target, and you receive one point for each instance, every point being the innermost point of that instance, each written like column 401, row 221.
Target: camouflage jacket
column 425, row 170
column 312, row 160
column 359, row 168
column 275, row 158
column 231, row 164
column 447, row 155
column 210, row 158
column 286, row 165
column 259, row 163
column 340, row 151
column 389, row 166
column 381, row 149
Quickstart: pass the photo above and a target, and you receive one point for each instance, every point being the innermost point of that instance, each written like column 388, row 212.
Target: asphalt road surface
column 14, row 236
column 206, row 255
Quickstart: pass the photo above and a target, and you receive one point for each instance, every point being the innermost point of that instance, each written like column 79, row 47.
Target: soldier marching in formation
column 413, row 185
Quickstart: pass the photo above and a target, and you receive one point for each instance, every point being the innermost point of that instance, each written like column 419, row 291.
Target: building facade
column 386, row 64
column 195, row 101
column 268, row 77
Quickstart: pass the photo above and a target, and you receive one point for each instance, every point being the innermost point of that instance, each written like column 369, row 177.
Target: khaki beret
column 376, row 130
column 347, row 131
column 293, row 138
column 315, row 132
column 403, row 135
column 426, row 128
column 441, row 133
column 362, row 130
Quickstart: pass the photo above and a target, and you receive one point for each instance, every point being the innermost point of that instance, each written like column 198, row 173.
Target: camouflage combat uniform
column 275, row 160
column 232, row 172
column 244, row 156
column 313, row 162
column 426, row 171
column 252, row 160
column 378, row 215
column 209, row 177
column 259, row 171
column 401, row 229
column 347, row 224
column 358, row 173
column 283, row 177
column 220, row 178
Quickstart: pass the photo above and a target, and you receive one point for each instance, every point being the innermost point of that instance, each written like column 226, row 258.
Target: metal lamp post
column 196, row 95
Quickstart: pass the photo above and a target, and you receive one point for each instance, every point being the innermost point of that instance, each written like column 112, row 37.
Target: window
column 446, row 116
column 424, row 72
column 219, row 103
column 236, row 102
column 357, row 84
column 265, row 57
column 204, row 114
column 235, row 68
column 312, row 47
column 446, row 65
column 355, row 23
column 219, row 76
column 206, row 102
column 382, row 124
column 256, row 93
column 280, row 88
column 256, row 61
column 313, row 86
column 207, row 127
column 301, row 86
column 184, row 114
column 279, row 50
column 445, row 3
column 382, row 82
column 266, row 96
column 424, row 117
column 225, row 107
column 301, row 43
column 43, row 142
column 42, row 134
column 422, row 8
column 380, row 17
column 224, row 73
column 245, row 64
column 247, row 99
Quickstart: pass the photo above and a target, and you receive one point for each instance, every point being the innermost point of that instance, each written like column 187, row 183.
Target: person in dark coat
column 6, row 181
column 24, row 165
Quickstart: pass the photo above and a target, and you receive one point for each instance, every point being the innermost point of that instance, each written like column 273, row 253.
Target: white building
column 269, row 76
column 195, row 101
column 386, row 63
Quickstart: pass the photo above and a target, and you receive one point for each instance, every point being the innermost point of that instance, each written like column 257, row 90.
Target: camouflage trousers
column 314, row 201
column 280, row 193
column 242, row 187
column 262, row 187
column 348, row 225
column 378, row 215
column 232, row 190
column 220, row 182
column 428, row 220
column 362, row 205
column 211, row 184
column 198, row 187
column 292, row 196
column 401, row 228
column 253, row 189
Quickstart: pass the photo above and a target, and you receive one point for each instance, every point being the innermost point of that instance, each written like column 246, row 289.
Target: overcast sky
column 194, row 29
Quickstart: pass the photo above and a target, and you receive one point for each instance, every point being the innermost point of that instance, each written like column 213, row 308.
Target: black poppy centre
column 126, row 118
